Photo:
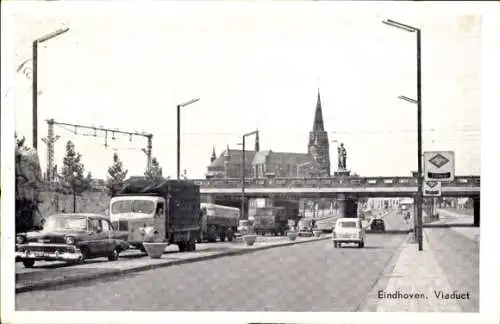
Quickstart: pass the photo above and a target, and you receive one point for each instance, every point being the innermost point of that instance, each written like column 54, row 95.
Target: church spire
column 214, row 156
column 257, row 144
column 318, row 116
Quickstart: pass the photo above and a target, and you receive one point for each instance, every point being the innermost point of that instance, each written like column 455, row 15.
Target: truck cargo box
column 183, row 198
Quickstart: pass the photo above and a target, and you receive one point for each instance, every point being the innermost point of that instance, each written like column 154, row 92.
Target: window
column 159, row 210
column 348, row 224
column 105, row 226
column 94, row 225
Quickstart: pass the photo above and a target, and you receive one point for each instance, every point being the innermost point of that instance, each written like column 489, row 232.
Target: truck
column 266, row 217
column 28, row 185
column 218, row 221
column 168, row 208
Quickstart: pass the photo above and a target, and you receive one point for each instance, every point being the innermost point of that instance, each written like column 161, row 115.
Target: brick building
column 259, row 164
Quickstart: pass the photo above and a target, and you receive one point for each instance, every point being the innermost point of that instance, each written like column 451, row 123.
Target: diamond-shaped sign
column 439, row 166
column 431, row 184
column 432, row 189
column 438, row 160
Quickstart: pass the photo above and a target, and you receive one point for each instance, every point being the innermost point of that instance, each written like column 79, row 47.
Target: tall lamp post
column 179, row 133
column 243, row 165
column 35, row 79
column 419, row 124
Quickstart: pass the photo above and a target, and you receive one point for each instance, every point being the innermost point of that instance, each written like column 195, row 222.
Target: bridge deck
column 365, row 186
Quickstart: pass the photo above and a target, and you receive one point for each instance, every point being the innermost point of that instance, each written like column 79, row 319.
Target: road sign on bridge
column 432, row 189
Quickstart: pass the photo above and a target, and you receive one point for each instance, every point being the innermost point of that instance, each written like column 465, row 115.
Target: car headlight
column 70, row 240
column 19, row 239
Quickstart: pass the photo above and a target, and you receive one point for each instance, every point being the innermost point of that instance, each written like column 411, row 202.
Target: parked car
column 349, row 230
column 377, row 225
column 72, row 238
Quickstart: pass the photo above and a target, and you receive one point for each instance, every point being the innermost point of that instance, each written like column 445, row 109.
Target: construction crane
column 52, row 138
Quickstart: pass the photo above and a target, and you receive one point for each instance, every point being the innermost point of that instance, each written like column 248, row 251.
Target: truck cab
column 138, row 216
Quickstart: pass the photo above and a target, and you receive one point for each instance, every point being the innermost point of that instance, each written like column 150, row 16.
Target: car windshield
column 133, row 206
column 65, row 223
column 347, row 224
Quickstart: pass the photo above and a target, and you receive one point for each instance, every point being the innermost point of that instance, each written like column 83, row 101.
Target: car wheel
column 114, row 255
column 182, row 246
column 28, row 263
column 191, row 245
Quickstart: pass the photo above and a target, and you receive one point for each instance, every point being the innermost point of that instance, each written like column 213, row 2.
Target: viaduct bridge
column 346, row 190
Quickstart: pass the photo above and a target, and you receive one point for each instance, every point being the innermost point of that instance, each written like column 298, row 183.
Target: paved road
column 394, row 221
column 305, row 277
column 458, row 257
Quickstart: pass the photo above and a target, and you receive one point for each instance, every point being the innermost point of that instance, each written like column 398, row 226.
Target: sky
column 252, row 69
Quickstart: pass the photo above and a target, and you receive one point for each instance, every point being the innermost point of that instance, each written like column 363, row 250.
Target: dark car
column 306, row 227
column 377, row 225
column 72, row 238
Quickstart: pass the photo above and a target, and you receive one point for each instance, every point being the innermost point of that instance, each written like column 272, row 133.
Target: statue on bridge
column 342, row 157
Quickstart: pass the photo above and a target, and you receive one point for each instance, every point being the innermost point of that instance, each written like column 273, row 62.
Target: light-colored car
column 349, row 230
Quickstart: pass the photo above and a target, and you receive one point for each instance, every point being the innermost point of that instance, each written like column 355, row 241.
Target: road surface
column 458, row 257
column 305, row 277
column 394, row 221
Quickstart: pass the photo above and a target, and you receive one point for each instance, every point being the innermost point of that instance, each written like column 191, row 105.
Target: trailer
column 218, row 221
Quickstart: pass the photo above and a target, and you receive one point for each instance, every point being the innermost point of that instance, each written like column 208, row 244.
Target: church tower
column 318, row 139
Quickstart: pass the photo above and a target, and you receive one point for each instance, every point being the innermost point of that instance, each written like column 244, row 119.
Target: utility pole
column 148, row 151
column 243, row 168
column 35, row 79
column 49, row 141
column 418, row 102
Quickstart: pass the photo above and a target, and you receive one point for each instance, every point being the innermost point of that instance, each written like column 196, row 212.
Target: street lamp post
column 35, row 79
column 243, row 164
column 419, row 125
column 179, row 133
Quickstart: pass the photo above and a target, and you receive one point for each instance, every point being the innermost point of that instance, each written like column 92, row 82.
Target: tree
column 116, row 176
column 28, row 184
column 20, row 142
column 155, row 172
column 72, row 178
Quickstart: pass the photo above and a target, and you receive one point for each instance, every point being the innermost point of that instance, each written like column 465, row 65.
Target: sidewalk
column 411, row 281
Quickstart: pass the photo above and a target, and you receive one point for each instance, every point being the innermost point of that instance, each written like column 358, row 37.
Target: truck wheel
column 222, row 237
column 182, row 246
column 28, row 263
column 230, row 236
column 191, row 246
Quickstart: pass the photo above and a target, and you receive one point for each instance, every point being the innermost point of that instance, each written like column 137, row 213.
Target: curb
column 116, row 272
column 430, row 225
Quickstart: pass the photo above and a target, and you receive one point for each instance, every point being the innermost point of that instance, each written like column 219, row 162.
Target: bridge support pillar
column 347, row 206
column 341, row 205
column 477, row 213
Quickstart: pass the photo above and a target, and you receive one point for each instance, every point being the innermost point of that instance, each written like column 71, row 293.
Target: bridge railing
column 361, row 182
